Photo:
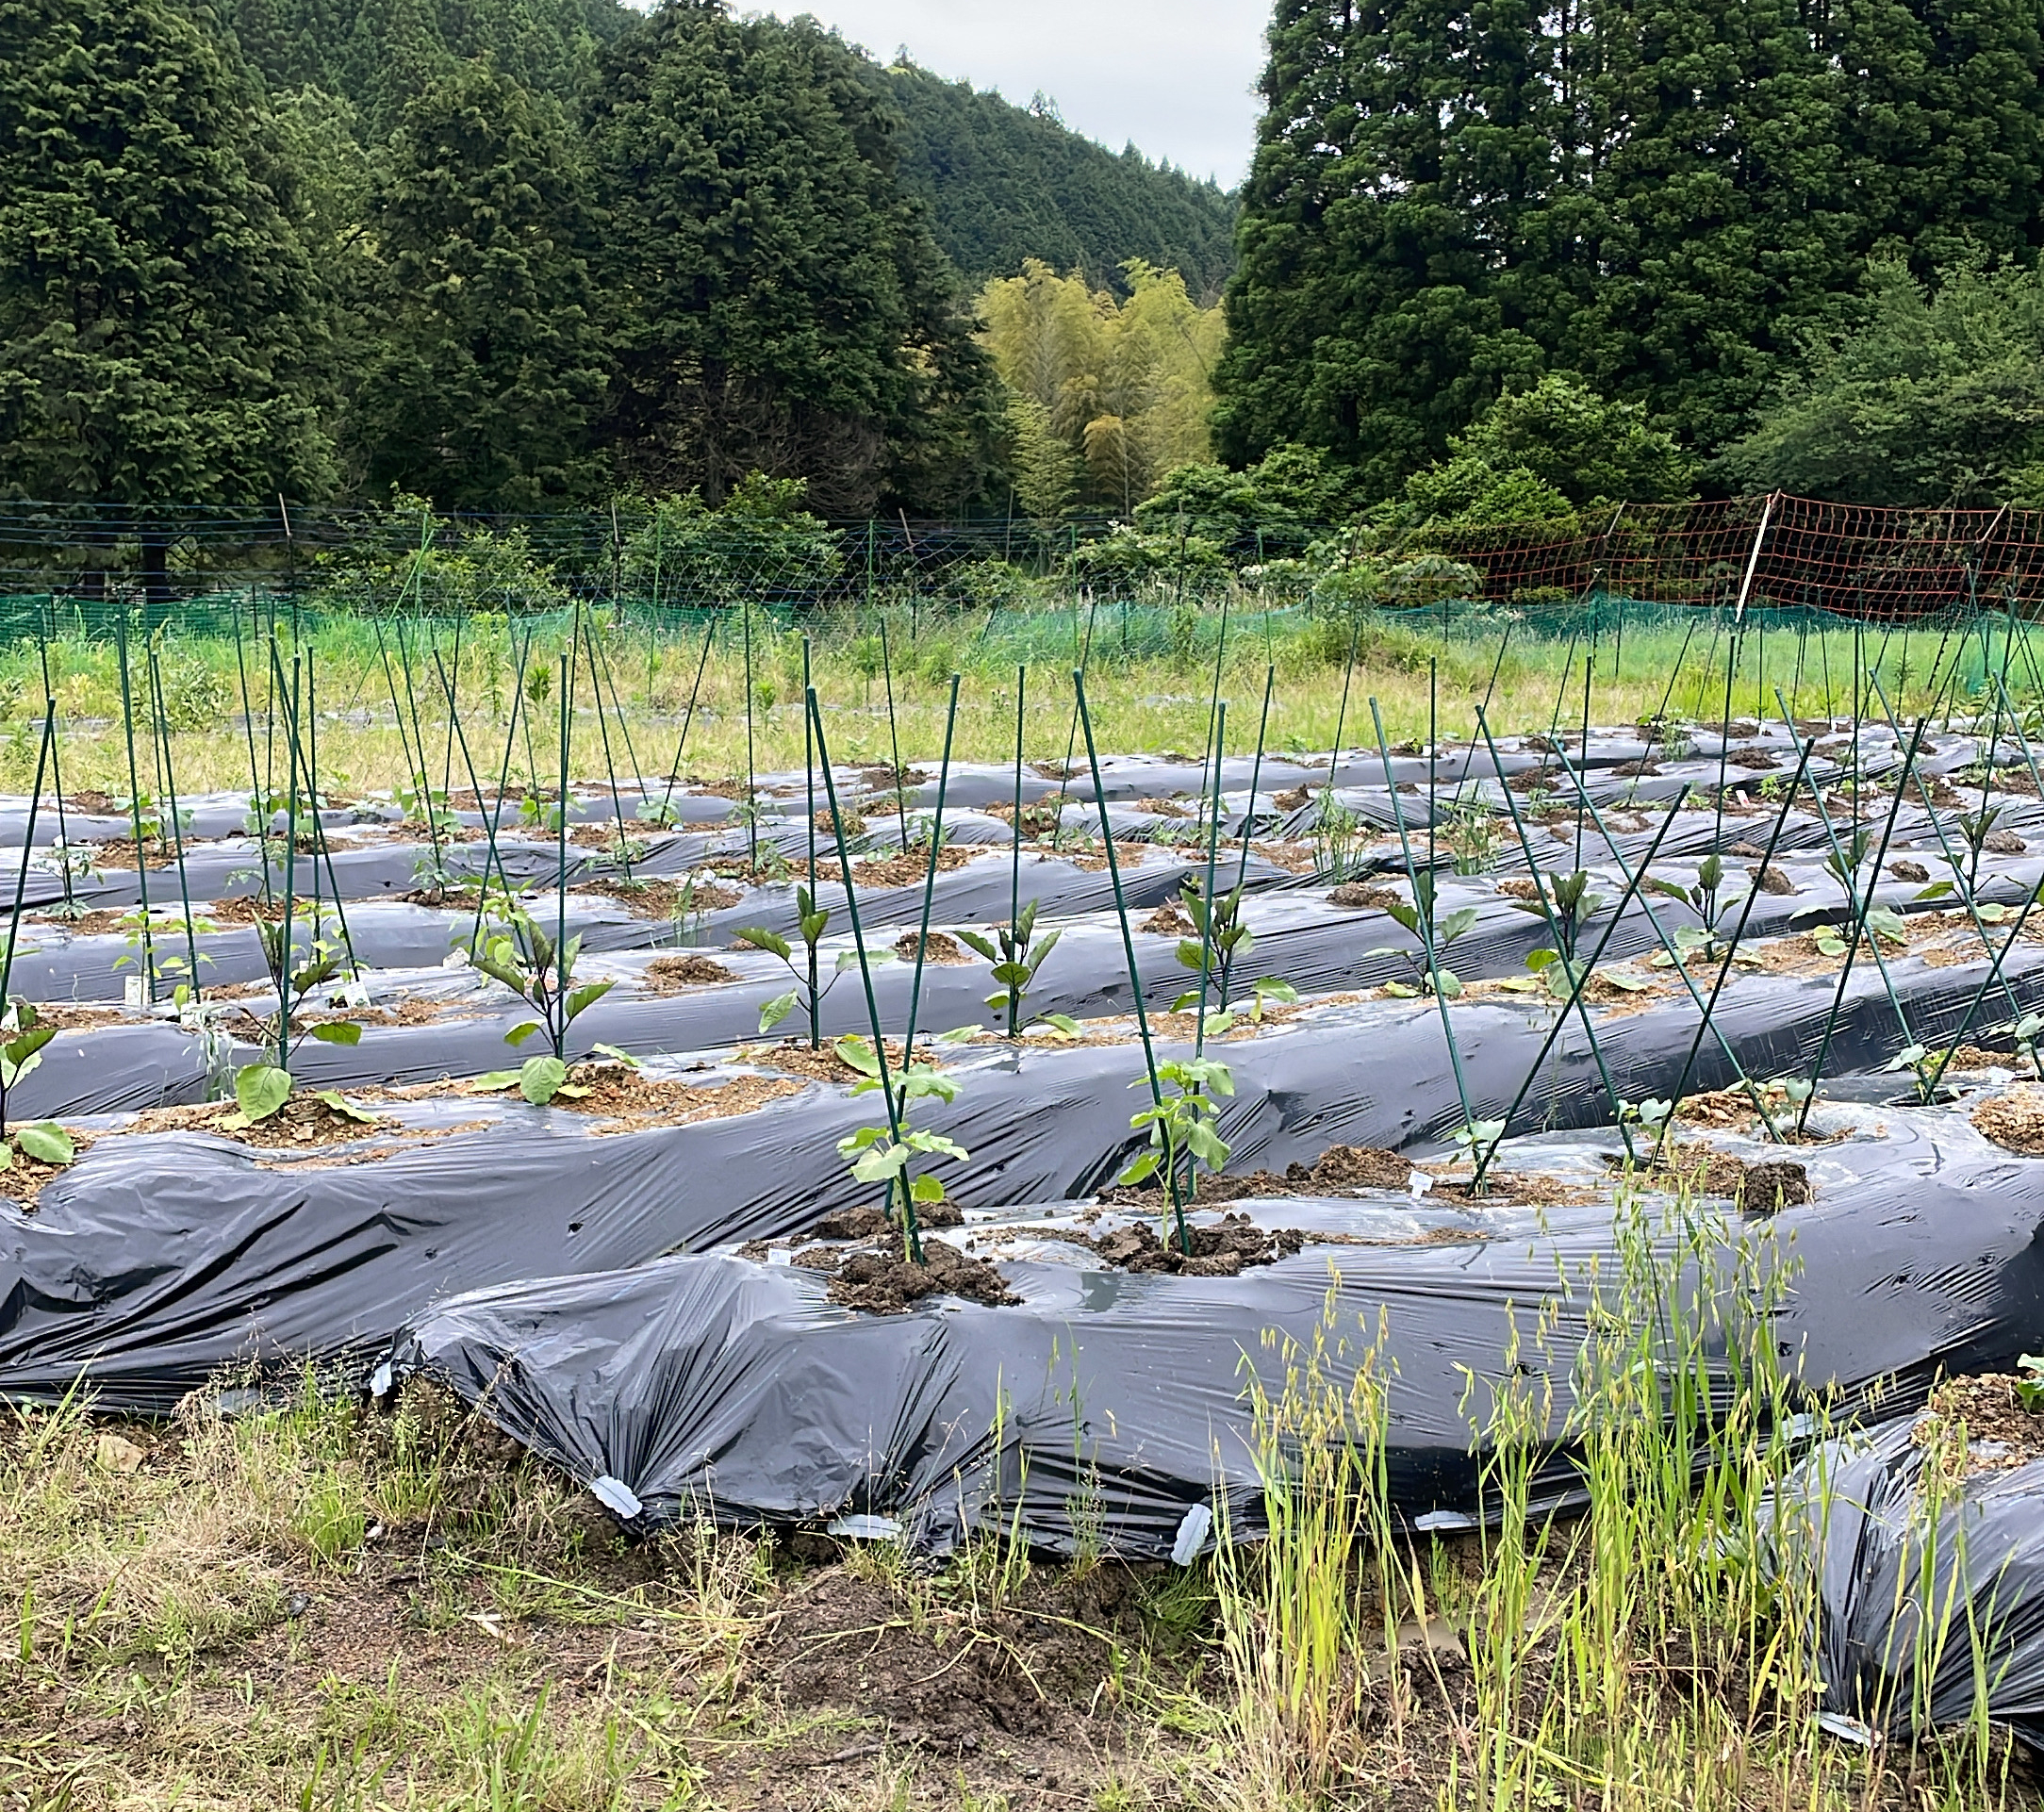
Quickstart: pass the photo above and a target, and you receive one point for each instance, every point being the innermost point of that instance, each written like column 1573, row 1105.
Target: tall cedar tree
column 1452, row 195
column 781, row 304
column 1381, row 291
column 160, row 326
column 1720, row 222
column 486, row 366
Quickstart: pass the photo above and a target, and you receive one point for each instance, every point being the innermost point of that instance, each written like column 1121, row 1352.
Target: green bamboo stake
column 177, row 829
column 930, row 880
column 688, row 716
column 751, row 789
column 560, row 939
column 1128, row 944
column 1661, row 933
column 71, row 909
column 134, row 811
column 610, row 767
column 1553, row 931
column 1576, row 985
column 20, row 878
column 325, row 849
column 1849, row 875
column 1426, row 920
column 1851, row 948
column 894, row 740
column 1248, row 822
column 911, row 1227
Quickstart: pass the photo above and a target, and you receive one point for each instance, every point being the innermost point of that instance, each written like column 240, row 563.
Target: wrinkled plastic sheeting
column 1111, row 1407
column 1916, row 1605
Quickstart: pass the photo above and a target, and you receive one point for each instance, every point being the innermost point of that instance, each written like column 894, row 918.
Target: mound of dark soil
column 881, row 1284
column 1222, row 1251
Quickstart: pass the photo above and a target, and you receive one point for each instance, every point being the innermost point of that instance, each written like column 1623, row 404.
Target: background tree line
column 1797, row 237
column 504, row 255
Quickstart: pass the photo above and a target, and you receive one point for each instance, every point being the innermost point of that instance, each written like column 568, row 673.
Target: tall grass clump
column 1619, row 1630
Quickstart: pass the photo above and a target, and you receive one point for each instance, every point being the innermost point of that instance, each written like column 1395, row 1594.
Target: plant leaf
column 760, row 938
column 47, row 1140
column 518, row 1034
column 260, row 1090
column 337, row 1032
column 541, row 1078
column 776, row 1009
column 341, row 1105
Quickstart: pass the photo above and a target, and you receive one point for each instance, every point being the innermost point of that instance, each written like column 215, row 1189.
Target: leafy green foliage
column 162, row 332
column 810, row 990
column 1180, row 1124
column 1223, row 940
column 761, row 542
column 738, row 158
column 1544, row 452
column 873, row 1152
column 487, row 362
column 2029, row 1386
column 1016, row 956
column 1422, row 921
column 1667, row 200
column 1569, row 903
column 1932, row 397
column 1704, row 898
column 21, row 1039
column 1005, row 183
column 524, row 956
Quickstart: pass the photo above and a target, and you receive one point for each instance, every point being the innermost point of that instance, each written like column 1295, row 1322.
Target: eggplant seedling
column 2030, row 1383
column 1570, row 905
column 876, row 1155
column 260, row 1089
column 1016, row 956
column 21, row 1039
column 1434, row 931
column 1178, row 1123
column 810, row 990
column 541, row 972
column 1478, row 1140
column 1223, row 940
column 1706, row 899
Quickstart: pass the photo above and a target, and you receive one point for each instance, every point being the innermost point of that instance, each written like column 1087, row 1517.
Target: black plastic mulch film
column 565, row 1273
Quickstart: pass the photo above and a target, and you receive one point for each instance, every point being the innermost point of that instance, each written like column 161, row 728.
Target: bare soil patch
column 304, row 1123
column 627, row 1100
column 1366, row 894
column 2001, row 1435
column 939, row 947
column 672, row 974
column 2014, row 1119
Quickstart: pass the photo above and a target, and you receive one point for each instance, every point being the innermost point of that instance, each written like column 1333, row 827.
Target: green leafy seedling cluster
column 811, row 989
column 1016, row 956
column 876, row 1155
column 1420, row 920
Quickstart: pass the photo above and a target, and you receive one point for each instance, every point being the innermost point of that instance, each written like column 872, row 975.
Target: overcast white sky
column 1177, row 76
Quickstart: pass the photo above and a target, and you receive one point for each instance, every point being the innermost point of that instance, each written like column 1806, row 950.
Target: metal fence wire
column 75, row 568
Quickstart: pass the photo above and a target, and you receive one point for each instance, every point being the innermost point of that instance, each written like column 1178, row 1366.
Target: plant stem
column 1128, row 944
column 911, row 1229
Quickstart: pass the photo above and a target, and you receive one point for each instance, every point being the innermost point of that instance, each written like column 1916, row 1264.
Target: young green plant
column 541, row 970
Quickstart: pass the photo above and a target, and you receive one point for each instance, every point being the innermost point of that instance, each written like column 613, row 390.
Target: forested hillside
column 1007, row 185
column 1003, row 183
